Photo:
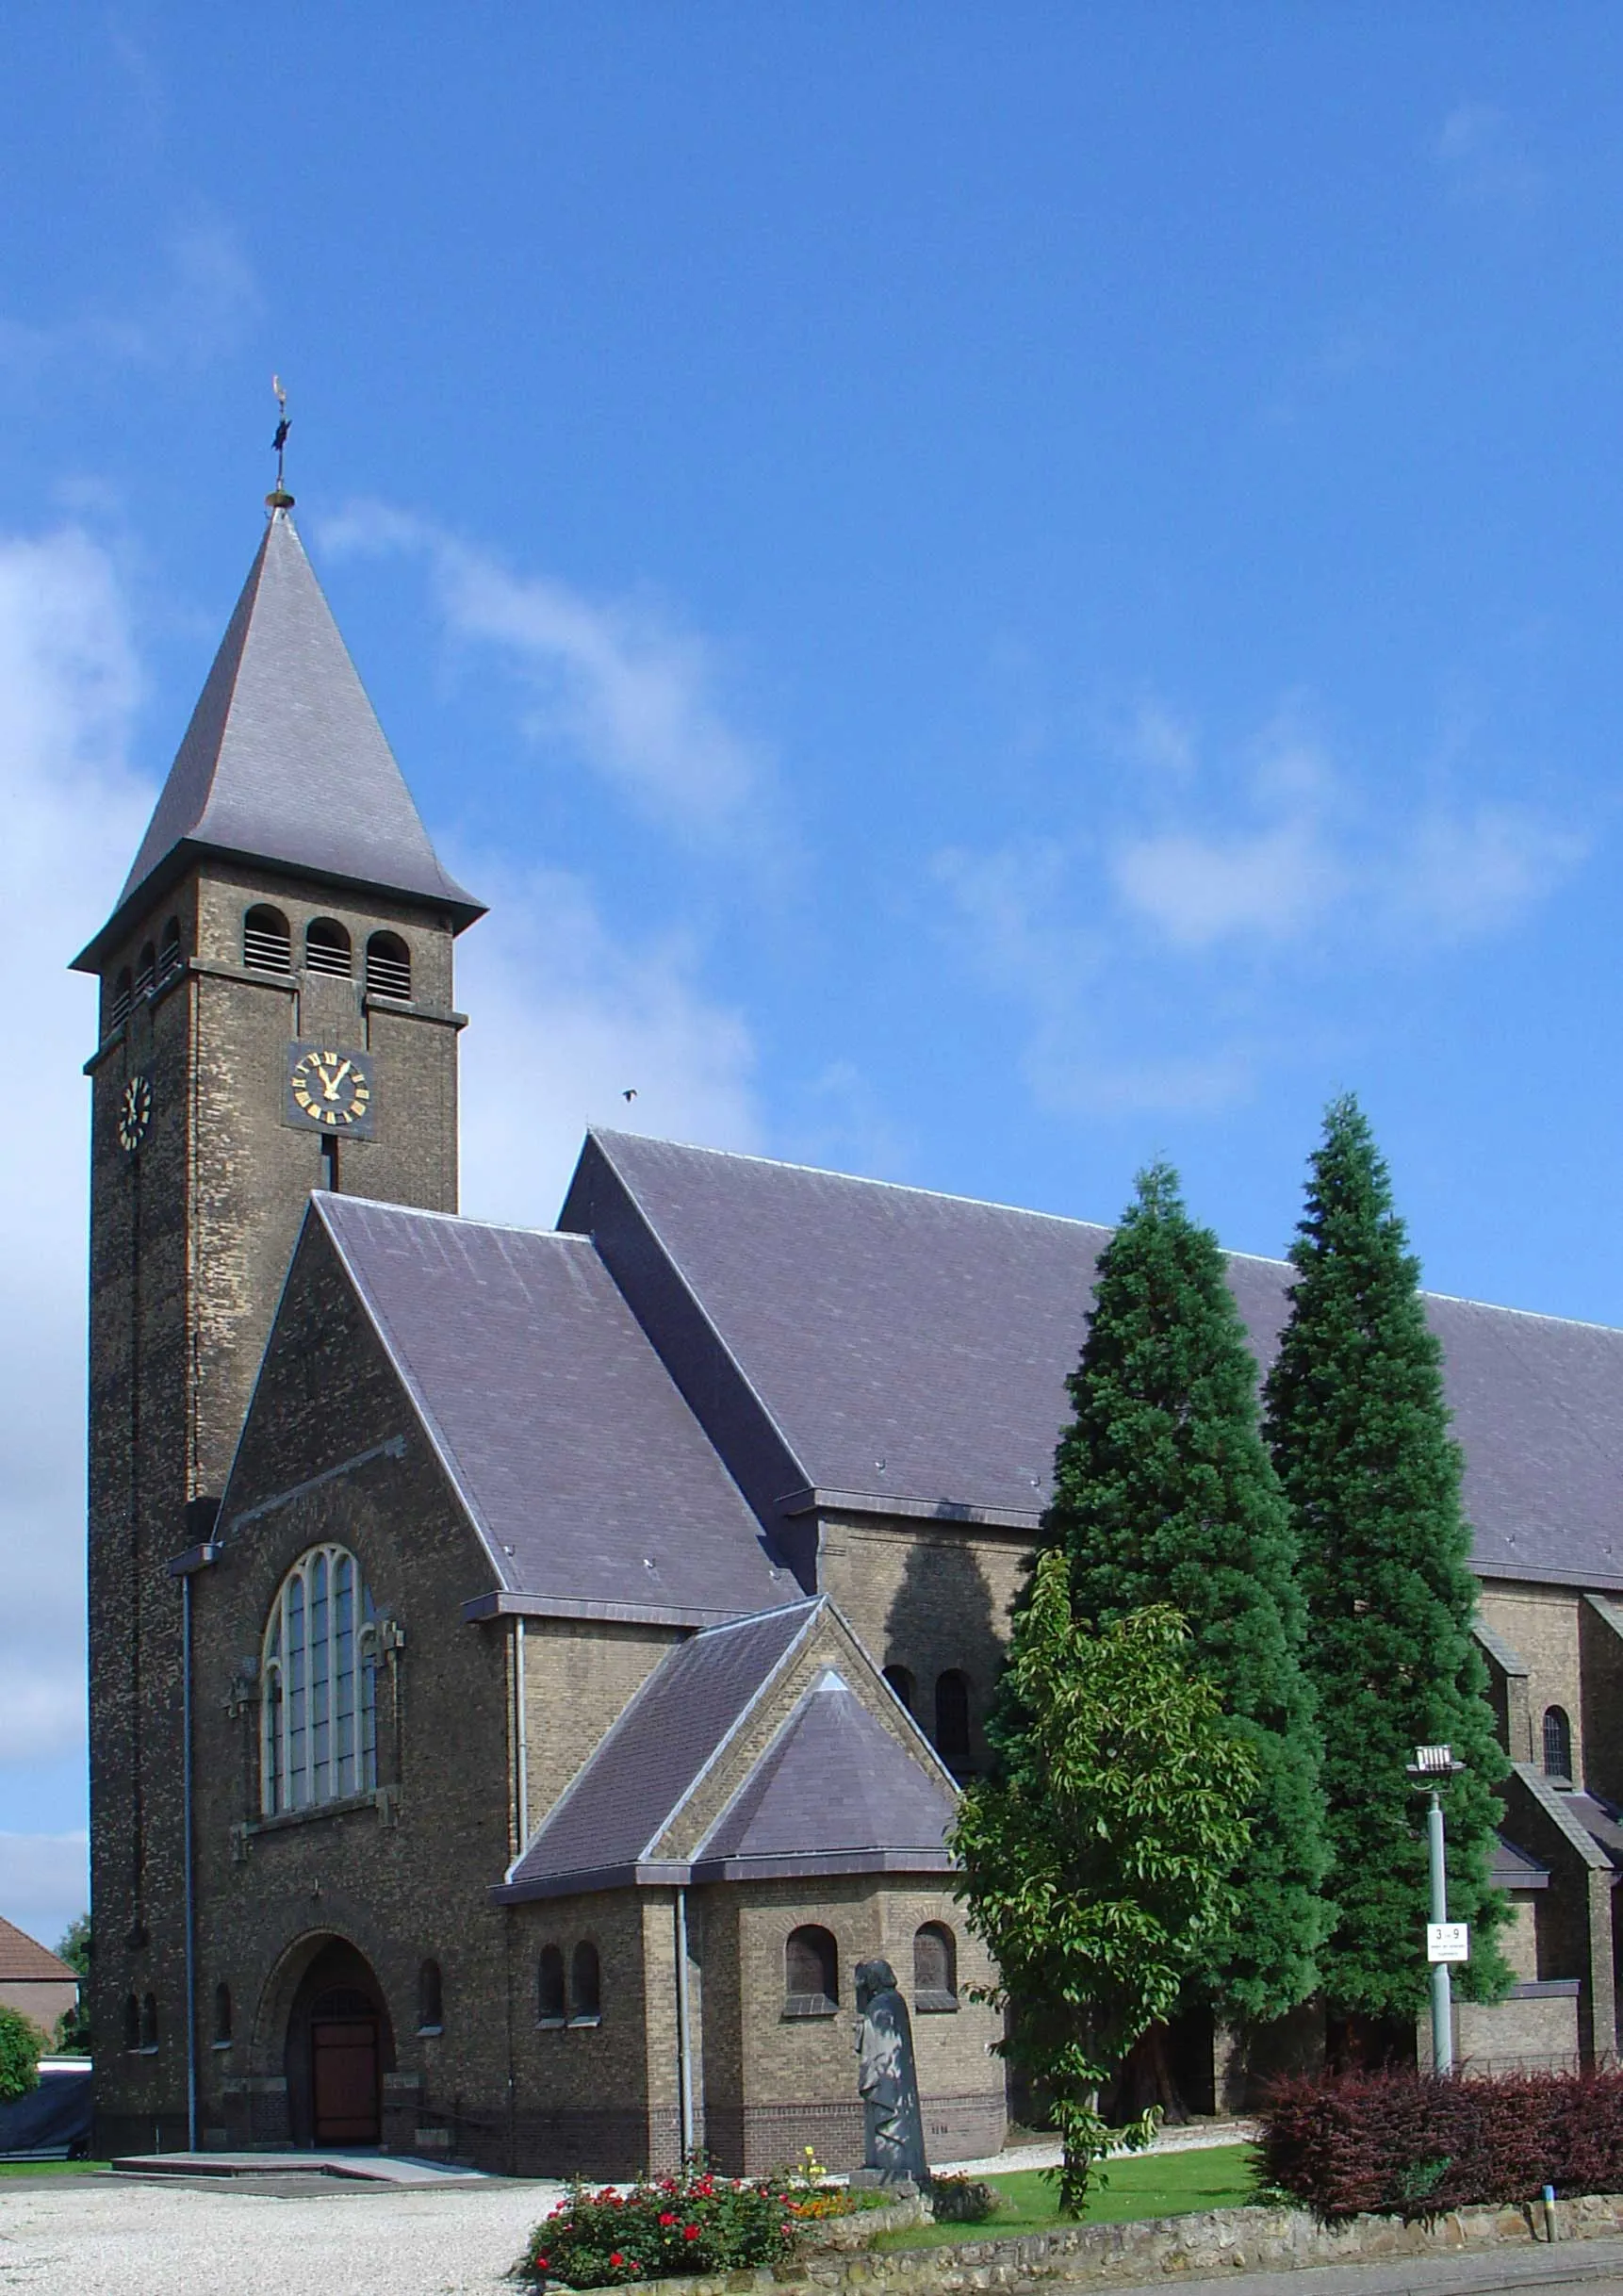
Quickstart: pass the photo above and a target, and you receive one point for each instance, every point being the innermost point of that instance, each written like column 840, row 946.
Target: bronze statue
column 887, row 2078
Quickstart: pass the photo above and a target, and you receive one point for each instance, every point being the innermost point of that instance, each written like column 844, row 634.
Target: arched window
column 319, row 1687
column 119, row 1007
column 952, row 1719
column 550, row 2007
column 430, row 1999
column 223, row 2016
column 170, row 960
column 901, row 1681
column 1557, row 1744
column 586, row 1984
column 811, row 1972
column 132, row 2022
column 935, row 1968
column 149, row 2021
column 146, row 968
column 388, row 966
column 327, row 948
column 266, row 943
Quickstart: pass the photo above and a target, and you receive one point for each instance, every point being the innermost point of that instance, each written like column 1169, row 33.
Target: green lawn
column 1164, row 2184
column 50, row 2168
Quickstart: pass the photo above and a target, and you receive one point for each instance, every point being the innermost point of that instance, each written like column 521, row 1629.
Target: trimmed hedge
column 1413, row 2144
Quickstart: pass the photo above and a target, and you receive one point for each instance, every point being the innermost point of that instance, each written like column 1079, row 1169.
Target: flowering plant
column 599, row 2238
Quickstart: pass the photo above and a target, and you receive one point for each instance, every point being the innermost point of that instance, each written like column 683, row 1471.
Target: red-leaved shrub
column 1416, row 2143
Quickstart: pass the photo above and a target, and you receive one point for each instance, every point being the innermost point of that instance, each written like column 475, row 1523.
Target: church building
column 528, row 1671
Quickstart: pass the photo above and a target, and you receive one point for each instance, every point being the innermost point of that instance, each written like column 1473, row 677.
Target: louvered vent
column 145, row 968
column 327, row 950
column 169, row 961
column 388, row 967
column 267, row 944
column 119, row 1009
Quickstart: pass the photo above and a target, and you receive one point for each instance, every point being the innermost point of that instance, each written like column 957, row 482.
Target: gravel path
column 113, row 2235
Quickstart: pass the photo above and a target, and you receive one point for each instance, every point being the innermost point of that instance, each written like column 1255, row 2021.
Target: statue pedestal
column 878, row 2180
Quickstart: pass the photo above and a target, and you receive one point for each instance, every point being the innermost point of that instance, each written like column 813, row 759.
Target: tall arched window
column 952, row 1719
column 132, row 2022
column 149, row 2021
column 586, row 1984
column 901, row 1681
column 118, row 1007
column 223, row 2016
column 318, row 1685
column 550, row 2005
column 935, row 1968
column 1557, row 1744
column 266, row 943
column 430, row 1999
column 146, row 969
column 327, row 948
column 811, row 1972
column 388, row 966
column 170, row 959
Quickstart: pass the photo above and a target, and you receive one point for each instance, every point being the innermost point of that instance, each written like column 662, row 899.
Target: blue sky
column 987, row 592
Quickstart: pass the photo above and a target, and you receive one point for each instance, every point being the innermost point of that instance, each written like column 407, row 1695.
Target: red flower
column 616, row 2257
column 690, row 2231
column 540, row 2263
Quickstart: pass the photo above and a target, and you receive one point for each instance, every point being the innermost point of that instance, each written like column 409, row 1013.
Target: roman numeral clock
column 330, row 1090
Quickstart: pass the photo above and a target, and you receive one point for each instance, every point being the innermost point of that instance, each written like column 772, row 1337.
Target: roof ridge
column 459, row 1220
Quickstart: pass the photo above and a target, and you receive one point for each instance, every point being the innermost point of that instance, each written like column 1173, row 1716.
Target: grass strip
column 1151, row 2184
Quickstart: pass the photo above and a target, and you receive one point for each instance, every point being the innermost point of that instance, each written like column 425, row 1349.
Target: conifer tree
column 1359, row 1431
column 1163, row 1493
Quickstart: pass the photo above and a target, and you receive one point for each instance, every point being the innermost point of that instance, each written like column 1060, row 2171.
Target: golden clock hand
column 330, row 1084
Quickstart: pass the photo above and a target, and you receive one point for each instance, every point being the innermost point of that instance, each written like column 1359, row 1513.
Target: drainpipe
column 685, row 2031
column 191, row 1887
column 522, row 1728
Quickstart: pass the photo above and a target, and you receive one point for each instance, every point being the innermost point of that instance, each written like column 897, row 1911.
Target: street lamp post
column 1431, row 1767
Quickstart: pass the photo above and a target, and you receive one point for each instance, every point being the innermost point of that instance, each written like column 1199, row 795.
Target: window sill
column 933, row 2003
column 551, row 2025
column 381, row 1798
column 809, row 2004
column 429, row 2032
column 576, row 2023
column 219, row 2045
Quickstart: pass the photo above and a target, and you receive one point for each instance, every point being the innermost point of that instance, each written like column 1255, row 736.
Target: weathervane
column 281, row 500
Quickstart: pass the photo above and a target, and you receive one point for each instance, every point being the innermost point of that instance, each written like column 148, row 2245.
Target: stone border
column 1182, row 2247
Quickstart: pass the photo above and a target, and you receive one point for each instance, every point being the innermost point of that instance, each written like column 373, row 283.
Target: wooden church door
column 345, row 2072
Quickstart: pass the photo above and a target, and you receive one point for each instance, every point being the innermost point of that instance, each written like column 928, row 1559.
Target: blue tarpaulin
column 53, row 2121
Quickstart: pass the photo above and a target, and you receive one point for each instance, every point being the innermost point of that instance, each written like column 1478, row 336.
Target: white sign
column 1448, row 1940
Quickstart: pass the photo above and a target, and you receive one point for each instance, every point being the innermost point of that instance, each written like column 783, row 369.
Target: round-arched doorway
column 339, row 2045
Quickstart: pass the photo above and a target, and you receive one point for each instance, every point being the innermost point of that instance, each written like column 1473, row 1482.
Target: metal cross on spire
column 281, row 499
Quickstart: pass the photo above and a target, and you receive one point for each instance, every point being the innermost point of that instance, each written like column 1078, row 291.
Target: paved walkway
column 1593, row 2265
column 1195, row 2137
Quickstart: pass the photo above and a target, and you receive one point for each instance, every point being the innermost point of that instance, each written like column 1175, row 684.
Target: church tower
column 276, row 1016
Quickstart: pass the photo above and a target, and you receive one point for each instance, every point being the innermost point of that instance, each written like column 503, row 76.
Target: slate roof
column 284, row 762
column 1515, row 1869
column 24, row 1962
column 834, row 1784
column 901, row 1350
column 575, row 1456
column 608, row 1822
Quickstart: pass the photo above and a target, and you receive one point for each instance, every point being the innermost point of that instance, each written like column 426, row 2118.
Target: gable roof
column 834, row 1785
column 285, row 763
column 604, row 1829
column 24, row 1962
column 848, row 1342
column 593, row 1489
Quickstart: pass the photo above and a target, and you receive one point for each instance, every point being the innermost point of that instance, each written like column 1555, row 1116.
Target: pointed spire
column 284, row 762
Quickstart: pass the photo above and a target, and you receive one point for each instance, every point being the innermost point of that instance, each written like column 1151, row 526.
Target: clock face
column 329, row 1088
column 135, row 1113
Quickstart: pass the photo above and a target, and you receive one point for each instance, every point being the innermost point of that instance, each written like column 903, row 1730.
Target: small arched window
column 902, row 1682
column 551, row 2007
column 223, row 2016
column 952, row 1720
column 430, row 1999
column 132, row 2022
column 327, row 948
column 935, row 1968
column 266, row 943
column 586, row 1984
column 119, row 1004
column 149, row 2021
column 146, row 969
column 318, row 1712
column 811, row 1972
column 170, row 960
column 388, row 966
column 1557, row 1744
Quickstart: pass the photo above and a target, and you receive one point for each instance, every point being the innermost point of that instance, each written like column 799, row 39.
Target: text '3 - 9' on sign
column 1448, row 1940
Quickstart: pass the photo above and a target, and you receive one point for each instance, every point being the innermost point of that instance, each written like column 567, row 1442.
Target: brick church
column 528, row 1671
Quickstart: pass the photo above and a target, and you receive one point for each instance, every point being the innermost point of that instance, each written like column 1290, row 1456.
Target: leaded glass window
column 318, row 1708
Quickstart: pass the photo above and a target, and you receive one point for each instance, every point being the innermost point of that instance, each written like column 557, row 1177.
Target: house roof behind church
column 24, row 1962
column 572, row 1451
column 285, row 763
column 898, row 1349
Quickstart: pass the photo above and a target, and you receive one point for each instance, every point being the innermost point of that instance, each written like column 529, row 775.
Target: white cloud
column 199, row 299
column 1483, row 160
column 1197, row 890
column 616, row 681
column 567, row 1017
column 44, row 1881
column 1472, row 874
column 74, row 813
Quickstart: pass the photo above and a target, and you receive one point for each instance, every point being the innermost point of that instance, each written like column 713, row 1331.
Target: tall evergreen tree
column 1359, row 1431
column 1163, row 1494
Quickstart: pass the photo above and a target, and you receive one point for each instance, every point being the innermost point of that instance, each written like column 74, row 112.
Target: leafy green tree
column 1096, row 1860
column 1163, row 1492
column 21, row 2043
column 73, row 2037
column 1359, row 1429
